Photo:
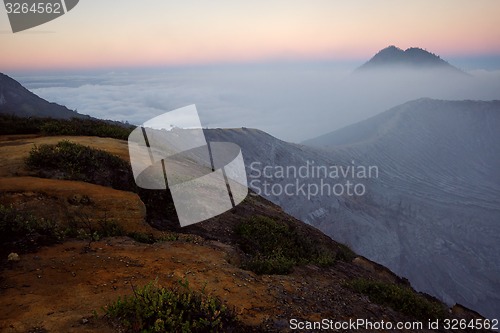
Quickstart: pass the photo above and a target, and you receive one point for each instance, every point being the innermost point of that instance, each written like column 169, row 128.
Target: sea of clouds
column 293, row 102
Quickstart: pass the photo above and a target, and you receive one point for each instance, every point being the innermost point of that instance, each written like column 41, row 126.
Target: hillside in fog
column 393, row 57
column 432, row 213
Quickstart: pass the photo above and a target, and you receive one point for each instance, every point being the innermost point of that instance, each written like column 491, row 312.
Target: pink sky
column 99, row 34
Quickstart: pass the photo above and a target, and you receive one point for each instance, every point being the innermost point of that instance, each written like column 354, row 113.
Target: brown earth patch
column 61, row 200
column 59, row 287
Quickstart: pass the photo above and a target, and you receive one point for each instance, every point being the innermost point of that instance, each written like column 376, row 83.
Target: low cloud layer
column 291, row 102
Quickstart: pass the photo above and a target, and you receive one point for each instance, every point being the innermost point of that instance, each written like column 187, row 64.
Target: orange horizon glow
column 75, row 59
column 193, row 33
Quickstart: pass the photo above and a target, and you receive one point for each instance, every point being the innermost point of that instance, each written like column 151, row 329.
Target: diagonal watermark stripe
column 26, row 14
column 205, row 179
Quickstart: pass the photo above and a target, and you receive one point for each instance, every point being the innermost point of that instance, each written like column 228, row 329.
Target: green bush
column 344, row 253
column 275, row 247
column 179, row 309
column 142, row 237
column 82, row 227
column 110, row 228
column 87, row 127
column 72, row 161
column 273, row 263
column 10, row 124
column 400, row 298
column 22, row 232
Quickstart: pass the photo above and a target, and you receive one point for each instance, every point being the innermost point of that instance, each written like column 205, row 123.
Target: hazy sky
column 280, row 66
column 159, row 32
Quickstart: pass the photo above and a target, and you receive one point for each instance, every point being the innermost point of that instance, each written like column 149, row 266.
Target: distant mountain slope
column 19, row 101
column 413, row 57
column 433, row 213
column 436, row 204
column 438, row 114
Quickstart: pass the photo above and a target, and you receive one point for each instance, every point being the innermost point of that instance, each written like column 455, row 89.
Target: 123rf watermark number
column 34, row 8
column 473, row 324
column 25, row 14
column 382, row 325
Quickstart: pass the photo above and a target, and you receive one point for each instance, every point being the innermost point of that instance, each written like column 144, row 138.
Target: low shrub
column 87, row 127
column 21, row 231
column 10, row 124
column 83, row 227
column 274, row 247
column 179, row 309
column 344, row 253
column 142, row 237
column 73, row 161
column 273, row 263
column 400, row 298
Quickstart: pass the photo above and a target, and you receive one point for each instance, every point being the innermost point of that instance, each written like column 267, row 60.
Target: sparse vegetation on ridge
column 274, row 247
column 400, row 298
column 23, row 232
column 10, row 124
column 84, row 228
column 72, row 161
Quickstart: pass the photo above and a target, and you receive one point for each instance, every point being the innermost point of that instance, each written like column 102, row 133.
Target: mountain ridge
column 393, row 57
column 438, row 189
column 374, row 125
column 16, row 99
